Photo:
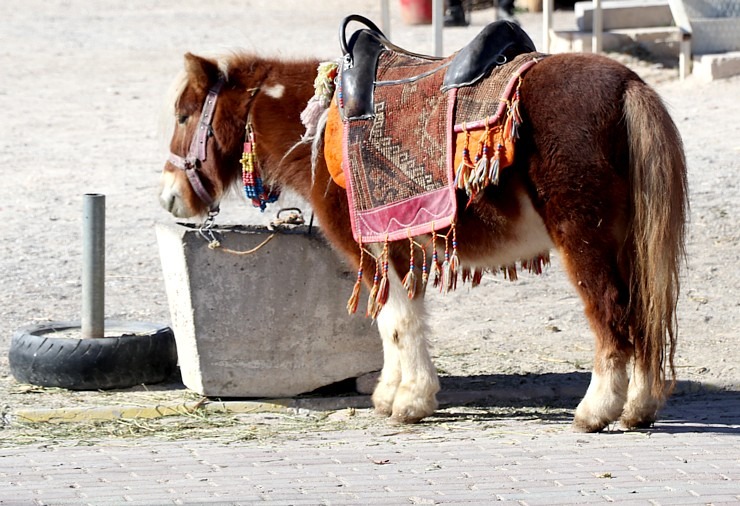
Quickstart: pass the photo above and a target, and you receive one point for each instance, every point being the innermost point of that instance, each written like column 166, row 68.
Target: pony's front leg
column 408, row 382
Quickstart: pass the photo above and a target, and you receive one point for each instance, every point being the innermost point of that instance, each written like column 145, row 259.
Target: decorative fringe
column 514, row 118
column 454, row 261
column 462, row 174
column 254, row 189
column 424, row 272
column 436, row 271
column 354, row 299
column 323, row 91
column 379, row 293
column 451, row 263
column 311, row 115
column 409, row 281
column 372, row 310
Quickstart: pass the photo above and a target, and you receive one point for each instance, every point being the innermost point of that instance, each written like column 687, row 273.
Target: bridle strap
column 197, row 152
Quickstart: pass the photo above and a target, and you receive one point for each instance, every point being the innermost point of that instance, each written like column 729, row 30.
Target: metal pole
column 437, row 24
column 93, row 265
column 547, row 7
column 385, row 18
column 597, row 26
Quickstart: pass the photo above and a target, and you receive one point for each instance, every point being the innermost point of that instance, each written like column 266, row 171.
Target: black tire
column 142, row 353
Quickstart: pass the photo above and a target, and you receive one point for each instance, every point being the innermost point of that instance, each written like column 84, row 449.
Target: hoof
column 383, row 411
column 637, row 423
column 404, row 419
column 589, row 427
column 640, row 415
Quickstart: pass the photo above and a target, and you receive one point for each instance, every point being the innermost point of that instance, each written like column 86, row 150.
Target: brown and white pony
column 599, row 175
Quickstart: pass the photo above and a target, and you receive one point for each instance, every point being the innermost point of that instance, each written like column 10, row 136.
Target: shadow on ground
column 693, row 407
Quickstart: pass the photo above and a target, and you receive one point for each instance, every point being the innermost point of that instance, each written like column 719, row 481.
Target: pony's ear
column 201, row 72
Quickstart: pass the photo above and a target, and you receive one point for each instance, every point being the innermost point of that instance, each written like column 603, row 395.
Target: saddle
column 498, row 43
column 406, row 131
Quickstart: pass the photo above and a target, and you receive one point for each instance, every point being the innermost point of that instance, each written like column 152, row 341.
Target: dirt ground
column 82, row 88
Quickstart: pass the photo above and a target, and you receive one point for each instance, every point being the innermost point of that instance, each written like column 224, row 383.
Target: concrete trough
column 268, row 324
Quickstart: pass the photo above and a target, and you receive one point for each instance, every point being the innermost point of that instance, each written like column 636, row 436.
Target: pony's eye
column 182, row 118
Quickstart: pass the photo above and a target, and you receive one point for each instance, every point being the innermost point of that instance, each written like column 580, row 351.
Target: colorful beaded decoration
column 254, row 189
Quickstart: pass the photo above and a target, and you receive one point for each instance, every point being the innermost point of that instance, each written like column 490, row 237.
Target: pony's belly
column 527, row 239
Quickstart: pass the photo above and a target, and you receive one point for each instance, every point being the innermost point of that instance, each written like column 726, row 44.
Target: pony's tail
column 658, row 228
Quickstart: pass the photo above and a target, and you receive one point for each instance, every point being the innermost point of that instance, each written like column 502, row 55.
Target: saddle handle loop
column 359, row 19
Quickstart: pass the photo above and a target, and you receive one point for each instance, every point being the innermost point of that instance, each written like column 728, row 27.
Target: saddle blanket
column 403, row 164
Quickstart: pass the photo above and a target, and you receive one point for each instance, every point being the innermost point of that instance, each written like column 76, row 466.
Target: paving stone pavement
column 690, row 457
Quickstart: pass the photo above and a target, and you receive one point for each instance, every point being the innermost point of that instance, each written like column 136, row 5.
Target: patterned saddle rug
column 419, row 133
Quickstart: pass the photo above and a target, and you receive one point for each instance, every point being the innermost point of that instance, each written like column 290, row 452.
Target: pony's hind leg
column 408, row 382
column 641, row 409
column 606, row 300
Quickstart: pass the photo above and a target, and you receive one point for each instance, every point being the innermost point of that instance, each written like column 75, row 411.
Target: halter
column 197, row 152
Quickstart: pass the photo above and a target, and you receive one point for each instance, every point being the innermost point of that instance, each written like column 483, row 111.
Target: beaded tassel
column 514, row 114
column 436, row 273
column 383, row 288
column 372, row 309
column 454, row 262
column 253, row 186
column 409, row 281
column 424, row 272
column 493, row 175
column 379, row 292
column 462, row 174
column 354, row 299
column 479, row 175
column 446, row 281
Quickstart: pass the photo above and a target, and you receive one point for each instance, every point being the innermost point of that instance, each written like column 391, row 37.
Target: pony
column 599, row 175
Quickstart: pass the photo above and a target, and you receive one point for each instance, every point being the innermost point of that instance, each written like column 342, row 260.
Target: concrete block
column 573, row 41
column 624, row 14
column 269, row 324
column 709, row 67
column 662, row 42
column 715, row 35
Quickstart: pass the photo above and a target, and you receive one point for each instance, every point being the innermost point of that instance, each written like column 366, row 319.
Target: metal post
column 385, row 18
column 437, row 23
column 93, row 265
column 547, row 7
column 597, row 27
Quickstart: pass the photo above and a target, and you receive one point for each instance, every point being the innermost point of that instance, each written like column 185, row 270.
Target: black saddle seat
column 498, row 43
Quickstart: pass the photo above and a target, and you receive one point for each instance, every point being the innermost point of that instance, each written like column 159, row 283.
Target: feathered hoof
column 409, row 408
column 632, row 422
column 383, row 399
column 587, row 421
column 640, row 415
column 404, row 419
column 637, row 424
column 384, row 411
column 589, row 425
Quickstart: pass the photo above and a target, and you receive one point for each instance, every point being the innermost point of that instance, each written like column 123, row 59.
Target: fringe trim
column 354, row 299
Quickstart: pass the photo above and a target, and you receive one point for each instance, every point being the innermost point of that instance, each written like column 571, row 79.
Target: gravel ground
column 82, row 88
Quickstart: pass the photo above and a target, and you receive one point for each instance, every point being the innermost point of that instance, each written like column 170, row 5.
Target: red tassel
column 354, row 299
